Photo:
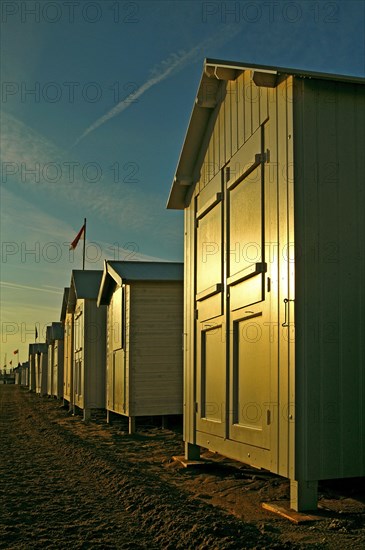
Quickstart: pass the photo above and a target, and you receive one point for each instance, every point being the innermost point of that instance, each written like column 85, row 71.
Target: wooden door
column 249, row 312
column 116, row 352
column 79, row 351
column 210, row 324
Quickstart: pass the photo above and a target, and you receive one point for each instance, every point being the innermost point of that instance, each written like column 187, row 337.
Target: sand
column 67, row 483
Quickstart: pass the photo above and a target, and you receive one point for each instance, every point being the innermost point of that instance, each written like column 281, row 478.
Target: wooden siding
column 243, row 107
column 330, row 275
column 117, row 351
column 156, row 334
column 50, row 370
column 41, row 371
column 68, row 359
column 57, row 378
column 89, row 354
column 32, row 377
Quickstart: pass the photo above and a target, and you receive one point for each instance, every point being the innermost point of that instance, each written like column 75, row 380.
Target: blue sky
column 96, row 98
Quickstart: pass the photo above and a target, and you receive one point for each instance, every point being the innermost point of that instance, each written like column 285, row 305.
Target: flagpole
column 83, row 251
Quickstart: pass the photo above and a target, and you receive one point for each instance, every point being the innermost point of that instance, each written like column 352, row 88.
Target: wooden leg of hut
column 303, row 495
column 192, row 452
column 164, row 422
column 108, row 419
column 87, row 414
column 131, row 424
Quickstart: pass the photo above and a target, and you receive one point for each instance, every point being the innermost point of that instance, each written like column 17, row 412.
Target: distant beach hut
column 24, row 374
column 144, row 338
column 17, row 373
column 88, row 346
column 41, row 369
column 55, row 360
column 66, row 319
column 33, row 349
column 50, row 360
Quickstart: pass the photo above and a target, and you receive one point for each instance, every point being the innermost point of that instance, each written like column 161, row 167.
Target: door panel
column 250, row 348
column 212, row 387
column 79, row 356
column 245, row 223
column 248, row 303
column 119, row 380
column 211, row 341
column 209, row 252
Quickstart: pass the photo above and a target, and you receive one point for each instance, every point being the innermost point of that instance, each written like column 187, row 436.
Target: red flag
column 74, row 243
column 10, row 362
column 16, row 351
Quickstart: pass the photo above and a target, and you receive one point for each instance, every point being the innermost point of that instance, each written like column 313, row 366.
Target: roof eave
column 103, row 298
column 209, row 96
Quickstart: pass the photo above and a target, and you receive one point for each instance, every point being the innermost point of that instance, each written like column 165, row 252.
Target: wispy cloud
column 124, row 205
column 6, row 284
column 174, row 63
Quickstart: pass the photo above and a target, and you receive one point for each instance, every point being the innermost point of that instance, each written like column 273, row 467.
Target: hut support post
column 131, row 424
column 164, row 422
column 87, row 414
column 303, row 495
column 192, row 451
column 108, row 419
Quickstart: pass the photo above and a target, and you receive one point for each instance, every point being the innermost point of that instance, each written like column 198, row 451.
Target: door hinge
column 268, row 284
column 262, row 157
column 196, row 314
column 268, row 417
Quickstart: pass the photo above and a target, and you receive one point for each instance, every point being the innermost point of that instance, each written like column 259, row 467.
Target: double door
column 236, row 300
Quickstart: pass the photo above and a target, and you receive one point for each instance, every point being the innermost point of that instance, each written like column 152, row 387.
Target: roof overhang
column 84, row 285
column 66, row 291
column 107, row 286
column 211, row 93
column 117, row 273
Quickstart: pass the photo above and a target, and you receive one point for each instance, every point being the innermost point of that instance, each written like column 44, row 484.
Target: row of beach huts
column 118, row 344
column 271, row 182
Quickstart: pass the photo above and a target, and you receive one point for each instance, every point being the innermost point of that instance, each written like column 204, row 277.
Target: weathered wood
column 286, row 512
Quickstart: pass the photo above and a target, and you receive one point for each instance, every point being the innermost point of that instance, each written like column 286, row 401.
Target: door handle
column 286, row 313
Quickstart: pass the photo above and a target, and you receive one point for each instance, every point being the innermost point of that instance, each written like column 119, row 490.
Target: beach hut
column 24, row 374
column 54, row 337
column 31, row 361
column 58, row 358
column 271, row 179
column 41, row 368
column 66, row 319
column 88, row 341
column 17, row 375
column 33, row 349
column 50, row 360
column 144, row 338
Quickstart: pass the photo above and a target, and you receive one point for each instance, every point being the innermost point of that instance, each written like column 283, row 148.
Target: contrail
column 173, row 63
